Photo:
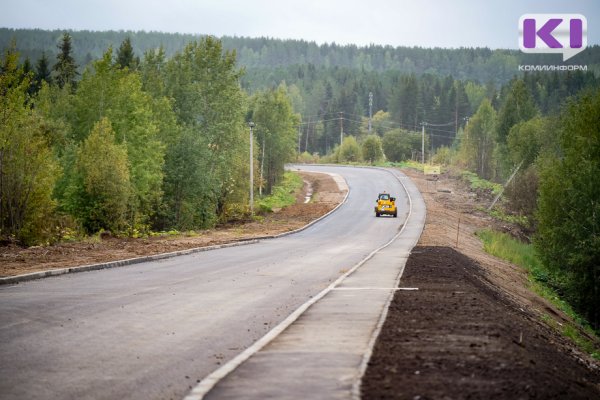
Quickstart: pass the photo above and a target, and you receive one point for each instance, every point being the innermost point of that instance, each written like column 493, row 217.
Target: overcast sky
column 426, row 23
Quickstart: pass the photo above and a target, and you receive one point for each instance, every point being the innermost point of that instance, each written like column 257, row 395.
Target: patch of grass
column 507, row 248
column 478, row 183
column 283, row 195
column 402, row 164
column 504, row 246
column 500, row 215
column 172, row 232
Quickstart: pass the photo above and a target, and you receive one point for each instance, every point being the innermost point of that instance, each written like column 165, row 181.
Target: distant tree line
column 476, row 64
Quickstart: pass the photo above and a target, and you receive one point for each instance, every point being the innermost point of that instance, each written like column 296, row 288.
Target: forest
column 133, row 132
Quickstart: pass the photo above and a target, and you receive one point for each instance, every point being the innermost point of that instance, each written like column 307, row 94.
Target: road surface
column 153, row 330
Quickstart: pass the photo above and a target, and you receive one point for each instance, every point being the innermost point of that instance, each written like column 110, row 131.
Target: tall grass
column 283, row 194
column 479, row 183
column 542, row 282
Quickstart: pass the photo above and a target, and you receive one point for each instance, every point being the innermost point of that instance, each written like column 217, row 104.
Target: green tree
column 100, row 193
column 65, row 69
column 518, row 106
column 371, row 149
column 276, row 133
column 380, row 123
column 403, row 104
column 28, row 168
column 107, row 91
column 398, row 144
column 42, row 71
column 568, row 237
column 203, row 82
column 479, row 140
column 349, row 151
column 525, row 141
column 152, row 72
column 126, row 56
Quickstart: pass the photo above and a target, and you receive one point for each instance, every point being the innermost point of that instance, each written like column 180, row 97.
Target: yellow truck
column 386, row 205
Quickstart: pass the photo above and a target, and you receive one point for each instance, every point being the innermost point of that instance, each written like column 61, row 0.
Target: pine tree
column 518, row 106
column 42, row 71
column 27, row 68
column 65, row 68
column 125, row 55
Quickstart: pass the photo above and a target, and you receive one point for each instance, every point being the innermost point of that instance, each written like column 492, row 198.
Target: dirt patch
column 326, row 196
column 460, row 337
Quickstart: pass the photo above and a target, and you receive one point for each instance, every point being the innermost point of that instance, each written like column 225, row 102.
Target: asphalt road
column 153, row 330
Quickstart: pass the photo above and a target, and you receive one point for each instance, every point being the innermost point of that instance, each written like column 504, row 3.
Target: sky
column 424, row 23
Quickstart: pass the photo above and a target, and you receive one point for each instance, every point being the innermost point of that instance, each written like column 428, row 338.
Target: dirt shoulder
column 326, row 195
column 473, row 329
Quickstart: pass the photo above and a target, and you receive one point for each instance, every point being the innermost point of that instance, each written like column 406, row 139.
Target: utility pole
column 423, row 143
column 251, row 125
column 341, row 129
column 307, row 133
column 370, row 110
column 262, row 165
column 299, row 137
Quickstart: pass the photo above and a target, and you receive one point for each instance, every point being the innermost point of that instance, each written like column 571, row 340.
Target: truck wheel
column 377, row 215
column 395, row 214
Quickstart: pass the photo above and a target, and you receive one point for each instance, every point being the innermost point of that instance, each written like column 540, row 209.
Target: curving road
column 153, row 330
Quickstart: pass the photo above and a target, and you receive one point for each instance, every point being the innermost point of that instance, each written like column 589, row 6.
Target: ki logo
column 553, row 33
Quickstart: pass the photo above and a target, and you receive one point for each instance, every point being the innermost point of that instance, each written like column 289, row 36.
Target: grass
column 283, row 194
column 505, row 247
column 500, row 215
column 482, row 184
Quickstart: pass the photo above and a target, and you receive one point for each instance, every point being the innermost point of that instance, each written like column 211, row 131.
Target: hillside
column 478, row 64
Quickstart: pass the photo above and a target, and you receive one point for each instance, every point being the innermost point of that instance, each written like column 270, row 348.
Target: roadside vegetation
column 134, row 146
column 283, row 194
column 542, row 281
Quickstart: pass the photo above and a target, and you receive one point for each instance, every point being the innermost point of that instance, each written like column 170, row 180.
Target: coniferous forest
column 138, row 131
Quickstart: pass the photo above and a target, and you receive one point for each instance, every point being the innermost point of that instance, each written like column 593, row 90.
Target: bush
column 349, row 151
column 398, row 144
column 99, row 194
column 443, row 156
column 371, row 149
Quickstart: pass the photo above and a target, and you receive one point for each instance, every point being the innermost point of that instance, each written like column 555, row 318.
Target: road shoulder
column 35, row 262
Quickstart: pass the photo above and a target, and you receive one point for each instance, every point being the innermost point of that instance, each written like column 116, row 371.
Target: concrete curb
column 118, row 263
column 130, row 261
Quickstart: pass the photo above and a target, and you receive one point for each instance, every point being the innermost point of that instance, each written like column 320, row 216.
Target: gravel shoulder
column 326, row 195
column 473, row 329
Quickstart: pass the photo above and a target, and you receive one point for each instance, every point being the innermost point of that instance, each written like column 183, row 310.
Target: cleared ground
column 15, row 260
column 473, row 330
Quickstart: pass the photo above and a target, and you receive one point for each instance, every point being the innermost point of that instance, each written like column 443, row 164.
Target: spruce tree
column 125, row 55
column 65, row 68
column 42, row 70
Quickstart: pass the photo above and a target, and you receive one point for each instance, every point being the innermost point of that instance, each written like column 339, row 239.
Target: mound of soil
column 460, row 337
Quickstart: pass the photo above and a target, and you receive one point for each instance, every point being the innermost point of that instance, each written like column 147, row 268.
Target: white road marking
column 376, row 288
